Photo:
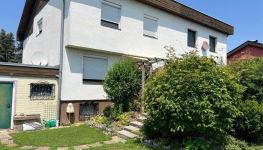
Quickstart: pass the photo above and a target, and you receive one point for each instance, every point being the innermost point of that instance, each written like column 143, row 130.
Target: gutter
column 61, row 58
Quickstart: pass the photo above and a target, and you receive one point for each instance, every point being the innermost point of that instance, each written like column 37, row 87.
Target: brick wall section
column 64, row 117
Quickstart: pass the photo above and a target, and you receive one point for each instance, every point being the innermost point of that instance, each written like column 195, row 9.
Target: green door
column 6, row 92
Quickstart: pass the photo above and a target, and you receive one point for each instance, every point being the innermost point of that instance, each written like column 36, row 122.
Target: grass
column 3, row 147
column 129, row 145
column 65, row 137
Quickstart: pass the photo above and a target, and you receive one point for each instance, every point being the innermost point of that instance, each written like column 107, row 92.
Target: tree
column 122, row 82
column 9, row 51
column 191, row 97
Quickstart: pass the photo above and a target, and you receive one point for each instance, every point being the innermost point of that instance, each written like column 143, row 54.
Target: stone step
column 132, row 129
column 136, row 124
column 141, row 118
column 126, row 134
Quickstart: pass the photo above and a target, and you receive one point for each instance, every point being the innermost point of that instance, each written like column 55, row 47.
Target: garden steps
column 126, row 134
column 137, row 124
column 132, row 129
column 141, row 118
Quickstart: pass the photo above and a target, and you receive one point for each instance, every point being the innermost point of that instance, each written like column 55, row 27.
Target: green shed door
column 6, row 92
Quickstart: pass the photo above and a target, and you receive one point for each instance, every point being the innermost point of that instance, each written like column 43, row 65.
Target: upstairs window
column 42, row 91
column 39, row 26
column 94, row 69
column 110, row 15
column 150, row 26
column 191, row 38
column 212, row 44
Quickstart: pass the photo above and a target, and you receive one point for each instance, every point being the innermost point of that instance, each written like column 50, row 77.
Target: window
column 40, row 26
column 110, row 15
column 94, row 69
column 212, row 44
column 191, row 38
column 150, row 26
column 42, row 91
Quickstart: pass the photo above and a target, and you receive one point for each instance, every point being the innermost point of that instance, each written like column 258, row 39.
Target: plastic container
column 52, row 123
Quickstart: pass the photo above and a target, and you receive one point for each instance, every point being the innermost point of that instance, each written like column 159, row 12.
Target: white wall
column 73, row 87
column 84, row 30
column 48, row 42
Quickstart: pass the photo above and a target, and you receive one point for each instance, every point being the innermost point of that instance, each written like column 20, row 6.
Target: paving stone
column 81, row 147
column 43, row 148
column 27, row 147
column 131, row 129
column 115, row 139
column 62, row 148
column 126, row 134
column 95, row 144
column 137, row 124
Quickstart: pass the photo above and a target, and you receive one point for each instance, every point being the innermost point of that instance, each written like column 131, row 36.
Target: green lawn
column 2, row 147
column 130, row 145
column 72, row 136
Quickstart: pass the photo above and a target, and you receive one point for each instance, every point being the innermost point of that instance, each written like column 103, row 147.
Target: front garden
column 191, row 103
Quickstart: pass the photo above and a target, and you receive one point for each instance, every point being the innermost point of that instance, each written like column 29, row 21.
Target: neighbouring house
column 247, row 50
column 85, row 37
column 28, row 93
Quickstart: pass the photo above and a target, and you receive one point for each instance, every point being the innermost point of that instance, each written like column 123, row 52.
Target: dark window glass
column 191, row 38
column 40, row 91
column 212, row 44
column 109, row 24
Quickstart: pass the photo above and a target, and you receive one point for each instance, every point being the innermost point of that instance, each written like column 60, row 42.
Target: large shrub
column 249, row 124
column 251, row 77
column 190, row 97
column 122, row 82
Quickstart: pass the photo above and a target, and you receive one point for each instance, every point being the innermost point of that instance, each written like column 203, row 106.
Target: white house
column 85, row 37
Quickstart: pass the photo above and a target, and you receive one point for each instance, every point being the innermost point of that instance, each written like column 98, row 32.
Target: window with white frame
column 150, row 26
column 94, row 68
column 40, row 26
column 110, row 15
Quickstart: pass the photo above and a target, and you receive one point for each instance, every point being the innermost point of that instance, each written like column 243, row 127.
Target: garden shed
column 27, row 93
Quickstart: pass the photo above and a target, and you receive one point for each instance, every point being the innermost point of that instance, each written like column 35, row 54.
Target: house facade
column 85, row 37
column 247, row 50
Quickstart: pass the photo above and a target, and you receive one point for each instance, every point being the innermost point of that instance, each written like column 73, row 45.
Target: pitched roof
column 247, row 43
column 170, row 6
column 191, row 14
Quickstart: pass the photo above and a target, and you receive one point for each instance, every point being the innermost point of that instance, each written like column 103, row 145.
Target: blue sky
column 245, row 15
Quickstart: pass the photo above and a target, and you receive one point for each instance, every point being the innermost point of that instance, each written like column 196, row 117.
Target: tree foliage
column 122, row 82
column 9, row 50
column 251, row 78
column 249, row 124
column 190, row 97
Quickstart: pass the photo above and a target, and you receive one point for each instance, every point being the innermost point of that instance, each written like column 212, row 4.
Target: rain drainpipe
column 61, row 58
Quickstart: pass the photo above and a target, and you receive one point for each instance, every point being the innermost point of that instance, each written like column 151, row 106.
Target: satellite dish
column 39, row 58
column 205, row 46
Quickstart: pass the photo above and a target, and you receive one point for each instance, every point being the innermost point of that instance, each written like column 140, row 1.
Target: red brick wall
column 64, row 117
column 248, row 52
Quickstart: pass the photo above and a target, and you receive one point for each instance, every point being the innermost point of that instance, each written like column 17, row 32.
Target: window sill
column 96, row 82
column 149, row 36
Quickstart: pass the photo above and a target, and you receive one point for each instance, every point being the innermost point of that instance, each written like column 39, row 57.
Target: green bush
column 190, row 97
column 122, row 82
column 112, row 113
column 100, row 119
column 123, row 119
column 251, row 77
column 249, row 124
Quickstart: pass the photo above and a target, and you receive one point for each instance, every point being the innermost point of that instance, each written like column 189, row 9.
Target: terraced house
column 85, row 37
